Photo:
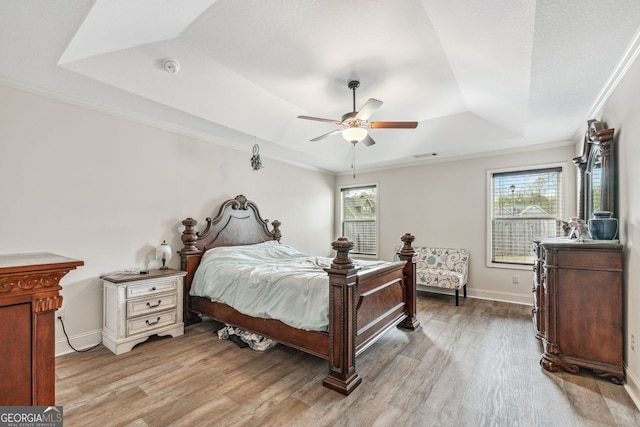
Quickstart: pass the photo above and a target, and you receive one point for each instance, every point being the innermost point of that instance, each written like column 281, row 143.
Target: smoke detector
column 171, row 66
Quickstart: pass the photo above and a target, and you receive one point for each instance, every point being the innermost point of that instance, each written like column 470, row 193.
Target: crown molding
column 626, row 61
column 456, row 158
column 158, row 124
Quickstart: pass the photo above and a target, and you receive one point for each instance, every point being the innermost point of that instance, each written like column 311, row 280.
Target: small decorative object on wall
column 163, row 253
column 256, row 162
column 602, row 226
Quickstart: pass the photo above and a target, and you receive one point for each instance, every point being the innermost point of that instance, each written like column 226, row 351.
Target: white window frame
column 377, row 216
column 489, row 212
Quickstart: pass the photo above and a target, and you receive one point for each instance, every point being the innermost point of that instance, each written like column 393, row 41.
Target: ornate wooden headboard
column 238, row 223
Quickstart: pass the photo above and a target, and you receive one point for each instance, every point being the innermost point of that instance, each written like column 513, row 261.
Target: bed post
column 189, row 259
column 406, row 254
column 342, row 377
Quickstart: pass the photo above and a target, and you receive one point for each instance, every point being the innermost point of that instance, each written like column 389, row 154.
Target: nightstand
column 137, row 306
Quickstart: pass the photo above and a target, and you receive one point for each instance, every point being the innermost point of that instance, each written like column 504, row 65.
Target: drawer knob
column 149, row 305
column 152, row 323
column 153, row 289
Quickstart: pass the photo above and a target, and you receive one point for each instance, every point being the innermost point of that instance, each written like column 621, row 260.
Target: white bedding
column 268, row 280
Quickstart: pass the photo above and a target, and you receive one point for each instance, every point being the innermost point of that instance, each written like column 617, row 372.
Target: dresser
column 577, row 312
column 29, row 297
column 137, row 306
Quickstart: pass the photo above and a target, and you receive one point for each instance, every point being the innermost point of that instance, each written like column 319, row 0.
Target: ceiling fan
column 354, row 124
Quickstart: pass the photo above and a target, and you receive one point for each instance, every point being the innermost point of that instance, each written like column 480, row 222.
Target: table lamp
column 164, row 253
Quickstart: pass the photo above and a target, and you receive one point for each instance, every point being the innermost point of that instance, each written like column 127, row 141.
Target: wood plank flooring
column 472, row 365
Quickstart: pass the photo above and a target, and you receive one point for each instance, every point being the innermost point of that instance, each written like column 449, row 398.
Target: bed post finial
column 342, row 260
column 408, row 239
column 189, row 237
column 276, row 230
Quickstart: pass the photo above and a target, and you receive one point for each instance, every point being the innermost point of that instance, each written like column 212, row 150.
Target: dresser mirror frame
column 598, row 175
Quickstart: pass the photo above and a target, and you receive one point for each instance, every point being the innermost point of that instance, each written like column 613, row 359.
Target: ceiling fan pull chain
column 353, row 160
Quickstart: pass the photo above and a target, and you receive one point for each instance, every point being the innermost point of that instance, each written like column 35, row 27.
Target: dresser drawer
column 153, row 287
column 142, row 306
column 150, row 322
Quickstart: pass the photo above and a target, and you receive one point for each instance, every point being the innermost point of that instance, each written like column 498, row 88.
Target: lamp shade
column 163, row 251
column 354, row 134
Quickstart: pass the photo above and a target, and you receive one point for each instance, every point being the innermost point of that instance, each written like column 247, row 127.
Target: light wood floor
column 472, row 365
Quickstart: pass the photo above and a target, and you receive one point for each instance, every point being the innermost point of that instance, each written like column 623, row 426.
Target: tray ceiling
column 479, row 77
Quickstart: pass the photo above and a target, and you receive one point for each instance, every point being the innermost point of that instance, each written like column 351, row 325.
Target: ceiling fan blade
column 398, row 125
column 318, row 119
column 368, row 141
column 333, row 132
column 370, row 107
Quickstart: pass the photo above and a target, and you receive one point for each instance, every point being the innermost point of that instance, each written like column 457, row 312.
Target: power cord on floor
column 69, row 342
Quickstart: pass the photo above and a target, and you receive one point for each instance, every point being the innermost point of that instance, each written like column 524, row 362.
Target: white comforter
column 268, row 280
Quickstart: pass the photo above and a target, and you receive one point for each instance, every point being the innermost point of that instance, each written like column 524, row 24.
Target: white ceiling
column 478, row 76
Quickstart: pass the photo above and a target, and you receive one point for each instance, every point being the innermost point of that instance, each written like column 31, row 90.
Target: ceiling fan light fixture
column 354, row 134
column 354, row 124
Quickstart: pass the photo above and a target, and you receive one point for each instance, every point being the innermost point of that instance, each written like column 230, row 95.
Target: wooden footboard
column 362, row 307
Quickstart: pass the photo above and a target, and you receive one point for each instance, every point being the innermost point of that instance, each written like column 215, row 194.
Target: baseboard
column 632, row 386
column 80, row 341
column 526, row 299
column 482, row 294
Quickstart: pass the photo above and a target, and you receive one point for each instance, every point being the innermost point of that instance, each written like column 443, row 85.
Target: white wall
column 106, row 190
column 444, row 205
column 621, row 112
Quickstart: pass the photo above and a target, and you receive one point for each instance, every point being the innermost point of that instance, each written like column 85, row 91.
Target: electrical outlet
column 515, row 279
column 633, row 342
column 59, row 314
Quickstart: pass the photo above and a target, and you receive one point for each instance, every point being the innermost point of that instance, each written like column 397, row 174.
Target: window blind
column 525, row 204
column 359, row 217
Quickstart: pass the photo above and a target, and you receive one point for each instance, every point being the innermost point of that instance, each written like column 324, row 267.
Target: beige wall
column 444, row 205
column 622, row 112
column 107, row 190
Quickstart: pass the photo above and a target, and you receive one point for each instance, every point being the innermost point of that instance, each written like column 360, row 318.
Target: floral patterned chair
column 443, row 268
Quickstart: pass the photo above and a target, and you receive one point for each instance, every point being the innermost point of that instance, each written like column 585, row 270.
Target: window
column 359, row 218
column 524, row 204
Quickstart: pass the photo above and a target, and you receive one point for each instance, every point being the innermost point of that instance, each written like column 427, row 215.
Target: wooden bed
column 362, row 305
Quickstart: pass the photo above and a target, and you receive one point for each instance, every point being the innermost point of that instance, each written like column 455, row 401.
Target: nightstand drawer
column 152, row 304
column 153, row 287
column 150, row 322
